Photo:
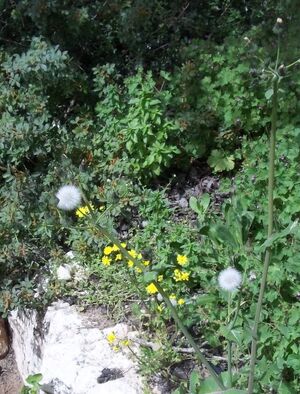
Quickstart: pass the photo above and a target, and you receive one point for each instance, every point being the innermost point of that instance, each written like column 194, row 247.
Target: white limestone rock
column 71, row 352
column 64, row 272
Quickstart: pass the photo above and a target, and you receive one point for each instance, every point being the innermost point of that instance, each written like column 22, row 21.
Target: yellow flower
column 181, row 301
column 123, row 244
column 125, row 342
column 116, row 348
column 138, row 270
column 83, row 211
column 185, row 276
column 139, row 256
column 133, row 253
column 172, row 297
column 182, row 260
column 111, row 337
column 151, row 289
column 146, row 263
column 115, row 248
column 118, row 257
column 130, row 263
column 106, row 260
column 159, row 308
column 160, row 278
column 102, row 207
column 181, row 276
column 107, row 250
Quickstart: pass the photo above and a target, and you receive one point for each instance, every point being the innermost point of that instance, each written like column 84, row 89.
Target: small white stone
column 70, row 254
column 173, row 301
column 64, row 272
column 159, row 297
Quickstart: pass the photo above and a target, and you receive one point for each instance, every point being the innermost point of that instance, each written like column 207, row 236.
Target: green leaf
column 150, row 276
column 269, row 94
column 221, row 233
column 275, row 237
column 205, row 299
column 33, row 379
column 284, row 388
column 219, row 161
column 209, row 386
column 194, row 382
column 200, row 205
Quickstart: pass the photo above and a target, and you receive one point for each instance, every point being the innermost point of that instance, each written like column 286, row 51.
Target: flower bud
column 281, row 70
column 277, row 29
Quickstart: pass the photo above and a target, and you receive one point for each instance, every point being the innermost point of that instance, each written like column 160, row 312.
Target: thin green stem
column 229, row 344
column 200, row 356
column 278, row 53
column 270, row 231
column 293, row 64
column 173, row 311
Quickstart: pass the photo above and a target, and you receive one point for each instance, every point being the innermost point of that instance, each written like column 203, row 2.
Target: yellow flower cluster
column 181, row 276
column 113, row 253
column 115, row 342
column 85, row 210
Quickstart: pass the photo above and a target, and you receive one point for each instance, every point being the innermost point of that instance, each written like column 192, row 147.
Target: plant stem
column 270, row 230
column 229, row 345
column 201, row 358
column 173, row 311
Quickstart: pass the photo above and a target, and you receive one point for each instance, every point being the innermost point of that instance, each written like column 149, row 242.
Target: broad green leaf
column 222, row 233
column 285, row 388
column 200, row 205
column 275, row 237
column 150, row 276
column 194, row 382
column 219, row 161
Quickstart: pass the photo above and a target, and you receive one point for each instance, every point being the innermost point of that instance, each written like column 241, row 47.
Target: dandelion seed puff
column 229, row 279
column 69, row 197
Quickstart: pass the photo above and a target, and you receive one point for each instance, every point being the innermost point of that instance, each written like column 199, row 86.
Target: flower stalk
column 200, row 356
column 270, row 231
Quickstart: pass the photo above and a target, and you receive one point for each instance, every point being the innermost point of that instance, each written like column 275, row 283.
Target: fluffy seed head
column 69, row 197
column 229, row 279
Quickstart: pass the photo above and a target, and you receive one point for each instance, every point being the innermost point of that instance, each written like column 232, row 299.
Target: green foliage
column 32, row 384
column 111, row 95
column 219, row 161
column 135, row 115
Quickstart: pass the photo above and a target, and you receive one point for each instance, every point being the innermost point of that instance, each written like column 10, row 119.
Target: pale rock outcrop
column 72, row 352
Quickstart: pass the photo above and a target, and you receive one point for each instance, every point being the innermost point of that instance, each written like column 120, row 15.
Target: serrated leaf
column 219, row 161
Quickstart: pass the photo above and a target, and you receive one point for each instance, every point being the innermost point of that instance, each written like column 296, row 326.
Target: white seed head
column 229, row 279
column 69, row 197
column 279, row 21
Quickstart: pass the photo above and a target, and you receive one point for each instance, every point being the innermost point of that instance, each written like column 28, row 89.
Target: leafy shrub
column 134, row 116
